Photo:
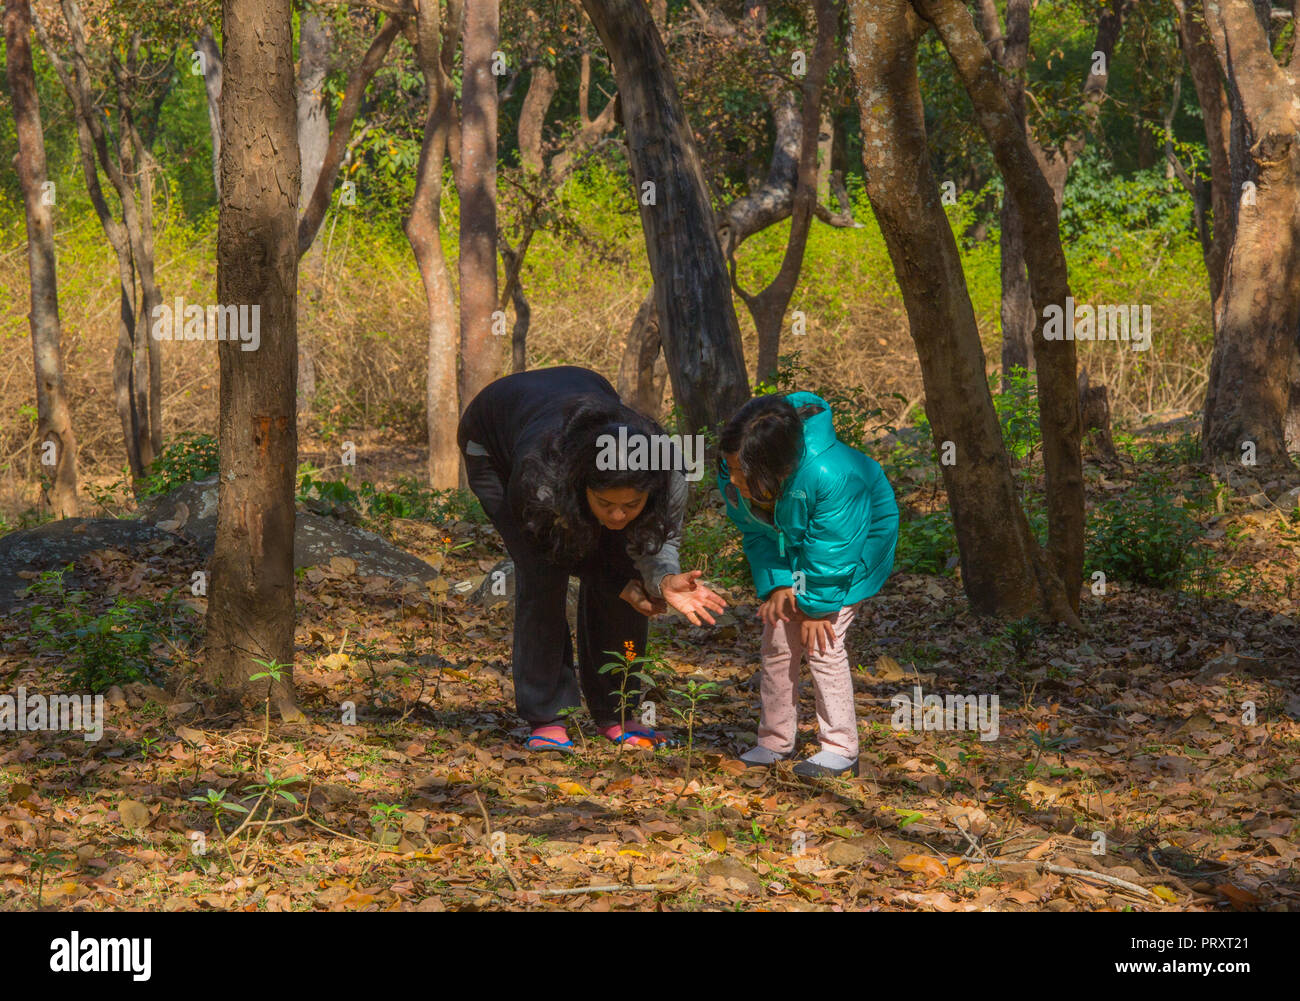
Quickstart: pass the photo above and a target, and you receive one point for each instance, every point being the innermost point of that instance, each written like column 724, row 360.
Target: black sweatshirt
column 515, row 415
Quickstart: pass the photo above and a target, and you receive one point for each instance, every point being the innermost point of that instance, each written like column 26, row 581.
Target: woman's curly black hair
column 556, row 513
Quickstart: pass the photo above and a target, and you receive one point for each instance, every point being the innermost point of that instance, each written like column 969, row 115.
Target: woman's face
column 616, row 507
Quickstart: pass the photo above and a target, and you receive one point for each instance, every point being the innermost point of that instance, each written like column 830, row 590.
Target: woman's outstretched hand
column 635, row 595
column 694, row 600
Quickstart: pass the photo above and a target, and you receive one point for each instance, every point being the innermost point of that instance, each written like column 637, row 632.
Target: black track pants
column 545, row 681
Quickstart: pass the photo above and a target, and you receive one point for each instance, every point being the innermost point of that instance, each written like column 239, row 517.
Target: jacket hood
column 819, row 429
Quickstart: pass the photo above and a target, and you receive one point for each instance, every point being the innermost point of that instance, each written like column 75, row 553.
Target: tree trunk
column 313, row 143
column 532, row 116
column 1049, row 283
column 692, row 291
column 1003, row 570
column 319, row 201
column 476, row 181
column 135, row 368
column 642, row 371
column 251, row 603
column 1017, row 310
column 768, row 307
column 212, row 87
column 1203, row 66
column 1259, row 310
column 1094, row 415
column 442, row 411
column 54, row 423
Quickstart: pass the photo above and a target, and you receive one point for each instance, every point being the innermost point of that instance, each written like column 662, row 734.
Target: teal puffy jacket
column 836, row 522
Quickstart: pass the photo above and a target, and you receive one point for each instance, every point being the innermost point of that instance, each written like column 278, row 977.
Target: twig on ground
column 1123, row 884
column 487, row 839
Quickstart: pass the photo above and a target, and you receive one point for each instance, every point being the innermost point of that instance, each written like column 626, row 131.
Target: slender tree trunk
column 1203, row 66
column 692, row 290
column 1003, row 570
column 54, row 423
column 476, row 180
column 133, row 358
column 1049, row 282
column 434, row 52
column 318, row 202
column 542, row 86
column 313, row 144
column 251, row 603
column 768, row 307
column 1017, row 310
column 211, row 66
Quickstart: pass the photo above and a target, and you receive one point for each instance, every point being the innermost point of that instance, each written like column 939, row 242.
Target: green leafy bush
column 408, row 500
column 1141, row 536
column 190, row 456
column 925, row 543
column 105, row 649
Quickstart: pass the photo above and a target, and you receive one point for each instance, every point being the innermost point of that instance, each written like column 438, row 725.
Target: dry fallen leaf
column 717, row 840
column 135, row 815
column 927, row 865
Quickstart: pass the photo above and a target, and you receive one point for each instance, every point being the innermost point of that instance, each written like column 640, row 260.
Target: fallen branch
column 1123, row 884
column 615, row 888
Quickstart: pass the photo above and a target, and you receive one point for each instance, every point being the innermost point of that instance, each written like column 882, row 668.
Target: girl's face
column 737, row 477
column 617, row 507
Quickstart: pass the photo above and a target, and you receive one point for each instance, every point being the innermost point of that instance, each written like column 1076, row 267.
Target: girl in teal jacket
column 819, row 525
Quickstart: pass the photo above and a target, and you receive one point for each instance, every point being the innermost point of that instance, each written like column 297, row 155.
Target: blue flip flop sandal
column 657, row 739
column 548, row 744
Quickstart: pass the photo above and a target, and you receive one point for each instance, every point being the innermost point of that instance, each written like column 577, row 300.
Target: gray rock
column 55, row 544
column 316, row 539
column 497, row 588
column 190, row 513
column 191, row 510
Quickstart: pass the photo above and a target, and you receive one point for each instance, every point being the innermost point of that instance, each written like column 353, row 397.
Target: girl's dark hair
column 766, row 437
column 557, row 475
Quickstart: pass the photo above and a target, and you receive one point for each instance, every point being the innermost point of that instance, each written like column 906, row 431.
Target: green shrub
column 105, row 649
column 408, row 500
column 1141, row 536
column 926, row 543
column 190, row 456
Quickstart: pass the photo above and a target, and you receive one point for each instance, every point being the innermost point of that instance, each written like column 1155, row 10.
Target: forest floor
column 1151, row 763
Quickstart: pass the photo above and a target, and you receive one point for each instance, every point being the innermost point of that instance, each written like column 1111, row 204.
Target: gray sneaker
column 824, row 764
column 762, row 757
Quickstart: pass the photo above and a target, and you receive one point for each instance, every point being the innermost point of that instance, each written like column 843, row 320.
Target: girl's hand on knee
column 817, row 634
column 779, row 607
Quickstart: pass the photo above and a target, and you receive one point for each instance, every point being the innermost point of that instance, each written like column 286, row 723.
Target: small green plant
column 277, row 787
column 628, row 666
column 408, row 500
column 216, row 802
column 926, row 543
column 693, row 694
column 572, row 716
column 1020, row 635
column 385, row 818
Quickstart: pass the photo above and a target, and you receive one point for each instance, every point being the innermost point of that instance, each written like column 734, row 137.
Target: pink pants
column 832, row 683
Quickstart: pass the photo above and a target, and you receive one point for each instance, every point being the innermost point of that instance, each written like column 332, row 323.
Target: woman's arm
column 654, row 567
